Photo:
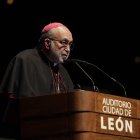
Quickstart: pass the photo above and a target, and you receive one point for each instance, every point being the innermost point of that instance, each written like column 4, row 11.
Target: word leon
column 118, row 124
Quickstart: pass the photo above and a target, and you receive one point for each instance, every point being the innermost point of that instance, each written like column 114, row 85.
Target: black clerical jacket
column 29, row 74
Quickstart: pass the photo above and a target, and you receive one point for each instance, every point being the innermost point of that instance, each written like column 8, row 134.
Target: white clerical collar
column 55, row 64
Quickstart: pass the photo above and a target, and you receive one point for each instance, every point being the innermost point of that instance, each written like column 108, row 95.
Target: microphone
column 85, row 62
column 95, row 88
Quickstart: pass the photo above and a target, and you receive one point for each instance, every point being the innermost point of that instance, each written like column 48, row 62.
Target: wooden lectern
column 80, row 115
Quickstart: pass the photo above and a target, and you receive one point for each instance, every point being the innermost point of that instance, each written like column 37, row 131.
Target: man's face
column 60, row 45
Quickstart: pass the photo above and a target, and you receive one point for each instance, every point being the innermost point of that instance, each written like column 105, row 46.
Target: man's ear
column 47, row 43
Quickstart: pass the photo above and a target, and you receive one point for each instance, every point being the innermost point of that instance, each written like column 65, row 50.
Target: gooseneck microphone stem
column 85, row 62
column 94, row 87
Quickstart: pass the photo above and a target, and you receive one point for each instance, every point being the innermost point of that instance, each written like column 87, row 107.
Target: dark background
column 105, row 34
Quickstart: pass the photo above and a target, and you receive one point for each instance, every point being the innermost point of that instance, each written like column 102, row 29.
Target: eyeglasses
column 64, row 43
